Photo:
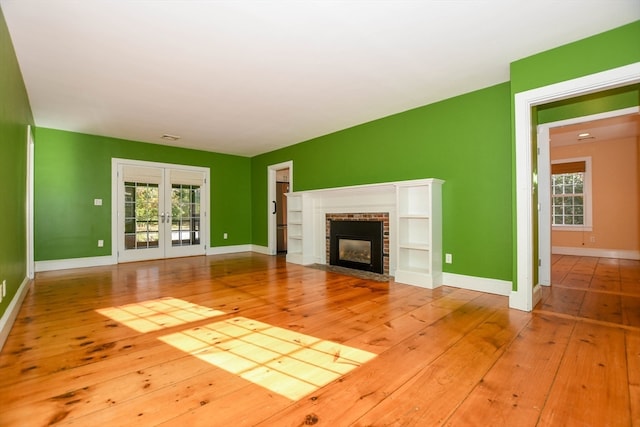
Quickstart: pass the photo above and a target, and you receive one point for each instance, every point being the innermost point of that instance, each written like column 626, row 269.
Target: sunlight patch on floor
column 157, row 314
column 286, row 362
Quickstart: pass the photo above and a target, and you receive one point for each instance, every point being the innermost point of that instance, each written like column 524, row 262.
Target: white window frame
column 587, row 197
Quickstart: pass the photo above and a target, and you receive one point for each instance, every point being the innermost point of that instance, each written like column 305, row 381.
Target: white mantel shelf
column 415, row 226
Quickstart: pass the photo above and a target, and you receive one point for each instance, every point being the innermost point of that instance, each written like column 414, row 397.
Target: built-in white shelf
column 415, row 234
column 299, row 229
column 419, row 240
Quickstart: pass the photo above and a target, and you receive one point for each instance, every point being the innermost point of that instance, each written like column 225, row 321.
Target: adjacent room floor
column 606, row 290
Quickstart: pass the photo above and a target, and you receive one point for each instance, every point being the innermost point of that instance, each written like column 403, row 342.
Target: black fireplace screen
column 357, row 244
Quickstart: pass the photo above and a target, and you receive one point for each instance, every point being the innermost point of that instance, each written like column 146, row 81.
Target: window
column 571, row 194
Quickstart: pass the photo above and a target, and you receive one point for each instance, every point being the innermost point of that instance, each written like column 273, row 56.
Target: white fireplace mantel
column 307, row 227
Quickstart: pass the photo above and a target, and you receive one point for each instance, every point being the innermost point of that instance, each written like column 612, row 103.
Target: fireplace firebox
column 357, row 244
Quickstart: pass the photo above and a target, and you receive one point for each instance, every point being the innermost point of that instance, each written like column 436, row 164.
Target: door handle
column 275, row 206
column 162, row 218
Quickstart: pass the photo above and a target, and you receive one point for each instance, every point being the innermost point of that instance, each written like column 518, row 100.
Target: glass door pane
column 185, row 196
column 141, row 227
column 140, row 213
column 185, row 215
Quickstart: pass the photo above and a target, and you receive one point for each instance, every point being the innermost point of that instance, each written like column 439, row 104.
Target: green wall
column 594, row 54
column 72, row 169
column 600, row 102
column 463, row 140
column 15, row 115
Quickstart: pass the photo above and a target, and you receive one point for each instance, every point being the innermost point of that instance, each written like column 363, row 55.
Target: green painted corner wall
column 72, row 169
column 15, row 116
column 463, row 140
column 604, row 51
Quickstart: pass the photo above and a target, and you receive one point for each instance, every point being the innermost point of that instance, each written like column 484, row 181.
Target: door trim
column 117, row 162
column 31, row 265
column 526, row 294
column 272, row 245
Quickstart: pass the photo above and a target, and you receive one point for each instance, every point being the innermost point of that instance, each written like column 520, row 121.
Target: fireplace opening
column 357, row 244
column 354, row 250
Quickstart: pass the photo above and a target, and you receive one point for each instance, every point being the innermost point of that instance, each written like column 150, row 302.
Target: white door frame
column 31, row 265
column 528, row 293
column 272, row 244
column 116, row 163
column 544, row 183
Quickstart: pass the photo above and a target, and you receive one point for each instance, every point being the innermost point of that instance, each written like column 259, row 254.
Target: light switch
column 97, row 202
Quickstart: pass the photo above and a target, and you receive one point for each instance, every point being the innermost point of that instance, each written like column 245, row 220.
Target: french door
column 161, row 211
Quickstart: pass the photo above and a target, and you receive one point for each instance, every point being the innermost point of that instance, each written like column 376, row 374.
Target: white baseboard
column 10, row 314
column 596, row 252
column 219, row 250
column 63, row 264
column 473, row 283
column 260, row 249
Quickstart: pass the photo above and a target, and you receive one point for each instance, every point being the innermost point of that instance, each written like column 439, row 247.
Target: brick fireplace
column 379, row 217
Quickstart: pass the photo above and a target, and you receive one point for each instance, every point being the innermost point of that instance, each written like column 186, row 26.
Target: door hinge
column 539, row 262
column 538, row 151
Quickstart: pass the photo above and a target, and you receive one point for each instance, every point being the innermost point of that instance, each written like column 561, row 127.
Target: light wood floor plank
column 514, row 391
column 433, row 394
column 594, row 371
column 633, row 361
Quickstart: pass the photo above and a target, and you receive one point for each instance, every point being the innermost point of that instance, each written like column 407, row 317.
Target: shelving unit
column 299, row 228
column 419, row 225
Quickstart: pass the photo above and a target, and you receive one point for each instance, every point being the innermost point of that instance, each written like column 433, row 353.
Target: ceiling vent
column 169, row 137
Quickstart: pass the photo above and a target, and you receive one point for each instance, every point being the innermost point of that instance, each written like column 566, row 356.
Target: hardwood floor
column 158, row 343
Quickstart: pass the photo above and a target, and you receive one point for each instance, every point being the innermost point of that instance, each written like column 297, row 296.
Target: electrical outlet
column 100, row 243
column 225, row 236
column 448, row 258
column 592, row 239
column 4, row 289
column 97, row 202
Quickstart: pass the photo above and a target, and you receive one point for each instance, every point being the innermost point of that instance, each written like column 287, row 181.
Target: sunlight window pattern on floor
column 158, row 314
column 286, row 362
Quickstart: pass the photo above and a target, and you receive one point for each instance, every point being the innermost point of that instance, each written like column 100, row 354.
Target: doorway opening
column 566, row 222
column 160, row 210
column 527, row 293
column 280, row 183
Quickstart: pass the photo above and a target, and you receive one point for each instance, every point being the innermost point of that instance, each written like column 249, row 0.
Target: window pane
column 567, row 202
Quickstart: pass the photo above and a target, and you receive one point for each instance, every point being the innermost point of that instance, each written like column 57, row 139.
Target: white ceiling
column 613, row 128
column 247, row 77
